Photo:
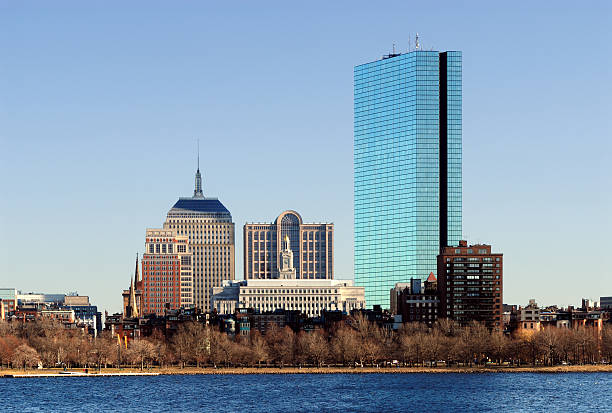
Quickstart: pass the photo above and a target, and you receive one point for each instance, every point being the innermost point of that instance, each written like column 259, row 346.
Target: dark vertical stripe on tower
column 443, row 149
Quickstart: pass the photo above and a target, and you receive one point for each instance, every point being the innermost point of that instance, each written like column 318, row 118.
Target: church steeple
column 136, row 275
column 132, row 303
column 197, row 192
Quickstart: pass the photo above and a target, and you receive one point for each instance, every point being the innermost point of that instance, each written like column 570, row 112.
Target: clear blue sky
column 101, row 105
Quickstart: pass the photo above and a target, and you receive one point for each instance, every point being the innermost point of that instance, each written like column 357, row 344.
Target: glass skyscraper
column 407, row 160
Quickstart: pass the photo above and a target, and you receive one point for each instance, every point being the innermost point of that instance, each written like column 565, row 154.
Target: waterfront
column 305, row 392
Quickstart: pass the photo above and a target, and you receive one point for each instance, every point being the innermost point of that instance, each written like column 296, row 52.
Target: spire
column 197, row 192
column 136, row 275
column 133, row 306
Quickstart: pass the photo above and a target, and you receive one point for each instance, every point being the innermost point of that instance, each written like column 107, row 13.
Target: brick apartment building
column 470, row 281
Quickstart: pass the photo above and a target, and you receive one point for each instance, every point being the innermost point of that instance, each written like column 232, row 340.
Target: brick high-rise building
column 470, row 283
column 208, row 226
column 166, row 272
column 312, row 246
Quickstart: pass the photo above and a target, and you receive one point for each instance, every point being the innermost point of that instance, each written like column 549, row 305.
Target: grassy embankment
column 600, row 368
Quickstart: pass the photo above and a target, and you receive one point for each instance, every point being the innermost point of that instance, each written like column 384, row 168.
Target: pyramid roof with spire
column 199, row 203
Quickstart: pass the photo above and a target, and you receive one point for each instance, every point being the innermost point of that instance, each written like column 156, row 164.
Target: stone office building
column 208, row 225
column 312, row 246
column 309, row 296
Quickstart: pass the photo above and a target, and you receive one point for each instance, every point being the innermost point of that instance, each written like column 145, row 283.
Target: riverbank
column 599, row 368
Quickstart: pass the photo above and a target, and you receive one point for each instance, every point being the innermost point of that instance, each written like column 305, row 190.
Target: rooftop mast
column 197, row 192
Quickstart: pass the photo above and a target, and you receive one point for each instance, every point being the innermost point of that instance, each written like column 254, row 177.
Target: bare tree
column 141, row 351
column 313, row 347
column 531, row 345
column 281, row 345
column 182, row 344
column 103, row 350
column 606, row 343
column 25, row 356
column 413, row 343
column 345, row 344
column 8, row 344
column 259, row 348
column 221, row 348
column 476, row 337
column 549, row 341
column 498, row 346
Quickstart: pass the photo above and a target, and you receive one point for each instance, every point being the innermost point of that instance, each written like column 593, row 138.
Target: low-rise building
column 72, row 310
column 416, row 303
column 308, row 296
column 40, row 298
column 528, row 318
column 8, row 301
column 605, row 303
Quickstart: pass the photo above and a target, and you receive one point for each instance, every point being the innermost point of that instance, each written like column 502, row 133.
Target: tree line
column 354, row 342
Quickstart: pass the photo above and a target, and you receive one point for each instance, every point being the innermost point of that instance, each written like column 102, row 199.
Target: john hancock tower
column 407, row 163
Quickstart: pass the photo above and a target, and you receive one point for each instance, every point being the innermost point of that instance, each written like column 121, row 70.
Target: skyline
column 143, row 93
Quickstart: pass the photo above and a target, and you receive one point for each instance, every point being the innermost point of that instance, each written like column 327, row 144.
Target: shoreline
column 11, row 373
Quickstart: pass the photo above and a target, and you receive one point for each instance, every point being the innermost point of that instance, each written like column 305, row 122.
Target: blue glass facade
column 407, row 160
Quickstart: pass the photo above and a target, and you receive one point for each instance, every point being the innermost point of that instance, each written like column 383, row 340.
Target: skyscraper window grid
column 397, row 168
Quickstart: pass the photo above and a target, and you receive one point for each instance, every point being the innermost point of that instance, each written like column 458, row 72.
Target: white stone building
column 308, row 296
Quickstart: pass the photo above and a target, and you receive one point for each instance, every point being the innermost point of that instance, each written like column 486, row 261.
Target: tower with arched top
column 311, row 245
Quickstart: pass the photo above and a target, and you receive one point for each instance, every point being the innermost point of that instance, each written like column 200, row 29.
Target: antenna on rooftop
column 416, row 45
column 393, row 48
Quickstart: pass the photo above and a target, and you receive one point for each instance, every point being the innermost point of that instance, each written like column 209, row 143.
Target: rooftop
column 276, row 282
column 202, row 205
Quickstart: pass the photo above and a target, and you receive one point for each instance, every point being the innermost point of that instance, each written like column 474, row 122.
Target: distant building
column 528, row 318
column 8, row 301
column 312, row 245
column 509, row 313
column 394, row 295
column 72, row 311
column 85, row 314
column 39, row 298
column 208, row 225
column 167, row 281
column 470, row 281
column 554, row 317
column 128, row 329
column 76, row 300
column 63, row 315
column 588, row 304
column 605, row 303
column 417, row 304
